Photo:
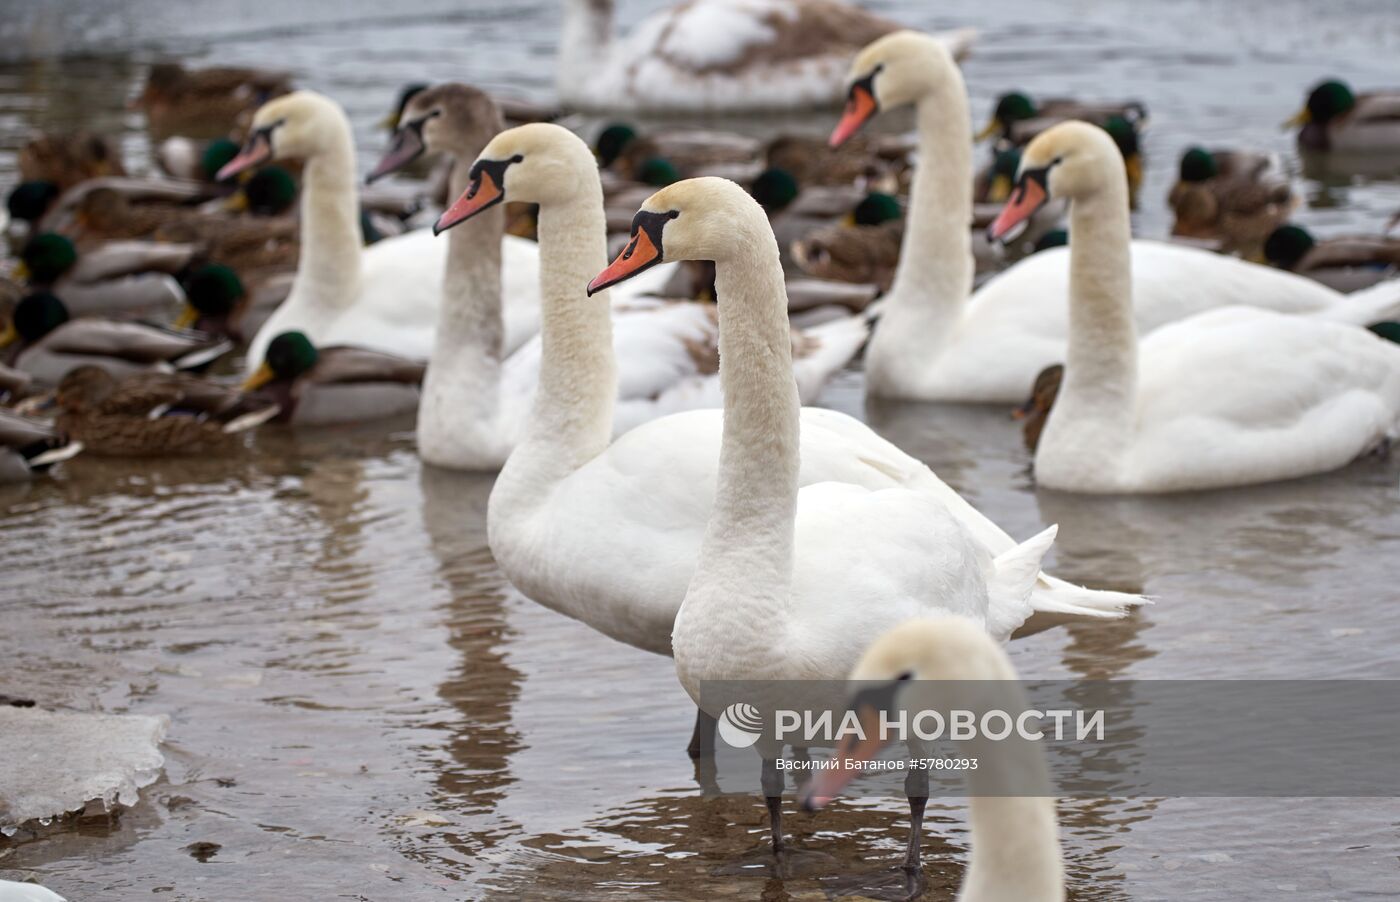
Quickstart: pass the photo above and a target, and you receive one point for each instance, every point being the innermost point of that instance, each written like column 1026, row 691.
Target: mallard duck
column 14, row 384
column 878, row 164
column 1234, row 197
column 187, row 158
column 862, row 248
column 153, row 414
column 29, row 202
column 65, row 160
column 1336, row 119
column 46, row 343
column 29, row 446
column 1346, row 263
column 1017, row 118
column 333, row 385
column 205, row 102
column 684, row 152
column 125, row 277
column 1036, row 410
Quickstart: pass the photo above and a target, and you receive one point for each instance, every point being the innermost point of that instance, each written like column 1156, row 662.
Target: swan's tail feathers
column 1056, row 602
column 821, row 351
column 1377, row 304
column 959, row 41
column 1015, row 574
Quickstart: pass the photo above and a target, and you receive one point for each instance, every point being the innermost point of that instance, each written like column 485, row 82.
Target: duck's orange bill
column 860, row 107
column 825, row 785
column 1025, row 200
column 257, row 151
column 639, row 253
column 483, row 193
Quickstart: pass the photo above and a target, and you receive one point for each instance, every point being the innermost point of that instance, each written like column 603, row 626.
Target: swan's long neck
column 737, row 601
column 461, row 391
column 584, row 40
column 571, row 422
column 1015, row 840
column 934, row 276
column 1100, row 380
column 330, row 226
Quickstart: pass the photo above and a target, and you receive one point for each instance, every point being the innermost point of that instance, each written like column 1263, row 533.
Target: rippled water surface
column 362, row 708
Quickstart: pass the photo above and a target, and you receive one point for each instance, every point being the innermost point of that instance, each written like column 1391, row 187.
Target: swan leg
column 702, row 739
column 916, row 788
column 773, row 782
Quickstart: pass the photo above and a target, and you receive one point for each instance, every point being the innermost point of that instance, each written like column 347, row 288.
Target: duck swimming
column 153, row 414
column 1336, row 119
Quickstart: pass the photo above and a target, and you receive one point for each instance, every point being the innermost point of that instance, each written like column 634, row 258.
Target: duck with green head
column 334, row 385
column 40, row 337
column 1017, row 118
column 1336, row 119
column 1344, row 262
column 1231, row 198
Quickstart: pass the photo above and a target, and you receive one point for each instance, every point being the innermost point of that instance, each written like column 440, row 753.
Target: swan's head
column 454, row 119
column 932, row 649
column 696, row 219
column 300, row 125
column 1073, row 160
column 895, row 70
column 539, row 163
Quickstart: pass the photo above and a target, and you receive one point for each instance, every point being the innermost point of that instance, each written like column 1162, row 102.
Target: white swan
column 477, row 400
column 26, row 892
column 384, row 297
column 1015, row 847
column 794, row 582
column 609, row 534
column 721, row 56
column 934, row 342
column 1228, row 397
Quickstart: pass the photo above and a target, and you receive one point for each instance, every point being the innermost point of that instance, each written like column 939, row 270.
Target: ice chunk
column 52, row 762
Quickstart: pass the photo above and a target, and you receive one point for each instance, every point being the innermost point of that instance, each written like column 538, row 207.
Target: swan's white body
column 937, row 342
column 477, row 405
column 1229, row 397
column 794, row 582
column 728, row 56
column 384, row 297
column 26, row 892
column 610, row 533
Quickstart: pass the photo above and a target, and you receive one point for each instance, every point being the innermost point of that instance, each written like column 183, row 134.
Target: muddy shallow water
column 363, row 709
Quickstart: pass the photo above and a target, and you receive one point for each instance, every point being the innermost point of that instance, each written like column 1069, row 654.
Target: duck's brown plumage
column 67, row 159
column 851, row 253
column 152, row 414
column 206, row 102
column 1239, row 207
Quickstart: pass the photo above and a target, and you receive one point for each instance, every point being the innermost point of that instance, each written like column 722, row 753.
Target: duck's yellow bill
column 988, row 130
column 9, row 336
column 187, row 318
column 260, row 378
column 1298, row 119
column 20, row 272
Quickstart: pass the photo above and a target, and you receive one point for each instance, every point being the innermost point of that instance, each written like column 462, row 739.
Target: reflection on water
column 362, row 707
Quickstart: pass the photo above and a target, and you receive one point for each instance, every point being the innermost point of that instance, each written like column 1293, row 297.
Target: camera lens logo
column 740, row 725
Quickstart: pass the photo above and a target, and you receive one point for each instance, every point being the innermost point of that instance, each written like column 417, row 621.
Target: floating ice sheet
column 52, row 763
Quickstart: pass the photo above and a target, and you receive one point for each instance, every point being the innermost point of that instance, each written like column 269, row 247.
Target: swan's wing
column 867, row 561
column 1258, row 395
